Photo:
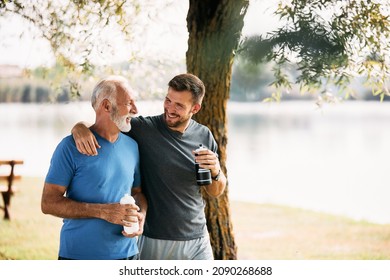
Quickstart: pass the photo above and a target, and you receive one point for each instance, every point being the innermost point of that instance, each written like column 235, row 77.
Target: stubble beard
column 181, row 121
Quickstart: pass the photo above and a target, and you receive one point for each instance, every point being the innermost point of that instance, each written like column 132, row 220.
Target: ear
column 106, row 105
column 196, row 108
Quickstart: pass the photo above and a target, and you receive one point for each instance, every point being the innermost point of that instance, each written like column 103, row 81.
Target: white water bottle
column 128, row 199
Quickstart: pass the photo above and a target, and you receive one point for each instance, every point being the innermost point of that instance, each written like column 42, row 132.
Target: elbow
column 214, row 195
column 45, row 207
column 216, row 192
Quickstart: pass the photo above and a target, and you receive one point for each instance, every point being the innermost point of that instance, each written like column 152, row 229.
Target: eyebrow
column 176, row 103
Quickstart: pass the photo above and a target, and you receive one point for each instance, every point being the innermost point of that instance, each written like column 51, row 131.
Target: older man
column 86, row 191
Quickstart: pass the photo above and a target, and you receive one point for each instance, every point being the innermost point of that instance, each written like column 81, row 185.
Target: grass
column 29, row 235
column 283, row 233
column 265, row 232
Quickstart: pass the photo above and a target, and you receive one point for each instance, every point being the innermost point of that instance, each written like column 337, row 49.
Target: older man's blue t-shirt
column 104, row 178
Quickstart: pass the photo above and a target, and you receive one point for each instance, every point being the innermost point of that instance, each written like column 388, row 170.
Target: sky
column 166, row 36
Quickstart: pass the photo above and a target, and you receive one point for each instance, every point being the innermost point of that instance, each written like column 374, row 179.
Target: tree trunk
column 214, row 28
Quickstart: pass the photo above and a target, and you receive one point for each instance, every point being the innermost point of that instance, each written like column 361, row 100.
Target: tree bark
column 214, row 28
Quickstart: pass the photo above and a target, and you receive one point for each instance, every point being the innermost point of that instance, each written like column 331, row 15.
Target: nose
column 133, row 109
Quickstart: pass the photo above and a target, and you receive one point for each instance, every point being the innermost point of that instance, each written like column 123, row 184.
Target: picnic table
column 7, row 190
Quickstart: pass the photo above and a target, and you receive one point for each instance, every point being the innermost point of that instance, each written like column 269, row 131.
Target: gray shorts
column 159, row 249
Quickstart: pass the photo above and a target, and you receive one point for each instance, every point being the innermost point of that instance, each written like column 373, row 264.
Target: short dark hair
column 189, row 82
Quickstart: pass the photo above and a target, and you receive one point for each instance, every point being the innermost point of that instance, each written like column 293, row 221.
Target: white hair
column 107, row 89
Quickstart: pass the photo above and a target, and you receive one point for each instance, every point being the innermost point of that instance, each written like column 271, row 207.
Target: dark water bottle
column 203, row 176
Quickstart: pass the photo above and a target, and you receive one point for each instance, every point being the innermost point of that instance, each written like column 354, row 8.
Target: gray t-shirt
column 175, row 203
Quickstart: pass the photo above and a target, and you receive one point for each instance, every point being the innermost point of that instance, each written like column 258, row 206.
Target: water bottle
column 203, row 176
column 128, row 199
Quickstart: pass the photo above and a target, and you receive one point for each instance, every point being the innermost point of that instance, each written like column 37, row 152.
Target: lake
column 332, row 160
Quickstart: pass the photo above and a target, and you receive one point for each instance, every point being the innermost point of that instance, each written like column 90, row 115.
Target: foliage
column 249, row 80
column 76, row 31
column 330, row 41
column 74, row 28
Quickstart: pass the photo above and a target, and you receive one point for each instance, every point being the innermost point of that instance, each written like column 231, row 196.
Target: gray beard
column 120, row 122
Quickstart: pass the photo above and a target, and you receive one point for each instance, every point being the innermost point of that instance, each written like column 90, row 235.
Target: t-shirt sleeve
column 212, row 143
column 61, row 170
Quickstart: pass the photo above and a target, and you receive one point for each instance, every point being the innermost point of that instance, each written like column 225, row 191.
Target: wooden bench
column 7, row 190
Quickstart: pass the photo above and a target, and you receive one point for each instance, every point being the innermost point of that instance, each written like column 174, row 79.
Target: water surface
column 333, row 160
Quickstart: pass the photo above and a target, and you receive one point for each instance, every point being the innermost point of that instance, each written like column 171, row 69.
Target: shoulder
column 128, row 140
column 66, row 148
column 150, row 120
column 204, row 135
column 141, row 126
column 67, row 143
column 200, row 128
